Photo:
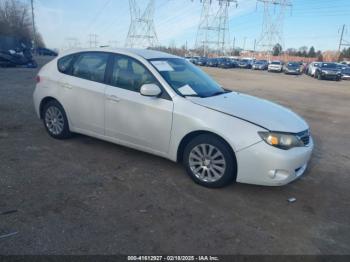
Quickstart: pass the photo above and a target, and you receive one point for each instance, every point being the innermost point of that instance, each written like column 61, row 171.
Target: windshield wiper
column 218, row 93
column 192, row 95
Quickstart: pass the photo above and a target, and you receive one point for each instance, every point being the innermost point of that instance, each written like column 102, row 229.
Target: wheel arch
column 43, row 102
column 187, row 138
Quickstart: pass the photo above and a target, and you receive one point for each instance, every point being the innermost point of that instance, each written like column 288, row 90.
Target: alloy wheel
column 207, row 163
column 54, row 120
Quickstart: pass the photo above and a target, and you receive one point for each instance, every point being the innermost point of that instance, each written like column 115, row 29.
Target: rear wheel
column 209, row 161
column 55, row 120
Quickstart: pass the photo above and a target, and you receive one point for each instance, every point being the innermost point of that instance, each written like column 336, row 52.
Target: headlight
column 281, row 140
column 324, row 72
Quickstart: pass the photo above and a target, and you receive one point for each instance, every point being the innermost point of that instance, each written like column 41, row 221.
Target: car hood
column 255, row 110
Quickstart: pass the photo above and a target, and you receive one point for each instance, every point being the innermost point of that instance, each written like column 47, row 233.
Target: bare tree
column 15, row 21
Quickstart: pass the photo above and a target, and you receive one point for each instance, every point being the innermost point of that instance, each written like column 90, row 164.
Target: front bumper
column 292, row 72
column 272, row 69
column 331, row 76
column 262, row 164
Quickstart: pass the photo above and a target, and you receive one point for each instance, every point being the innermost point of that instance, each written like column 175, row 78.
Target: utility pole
column 213, row 30
column 142, row 33
column 244, row 41
column 341, row 38
column 342, row 41
column 254, row 45
column 234, row 45
column 33, row 24
column 272, row 25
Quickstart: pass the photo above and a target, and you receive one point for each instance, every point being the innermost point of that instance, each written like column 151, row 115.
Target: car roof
column 145, row 53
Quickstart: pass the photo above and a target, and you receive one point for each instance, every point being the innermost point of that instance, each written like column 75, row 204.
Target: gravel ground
column 85, row 196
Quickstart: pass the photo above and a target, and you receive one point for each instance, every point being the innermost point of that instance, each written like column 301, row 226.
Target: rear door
column 84, row 90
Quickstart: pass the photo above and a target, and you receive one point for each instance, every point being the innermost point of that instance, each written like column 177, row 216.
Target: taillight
column 37, row 79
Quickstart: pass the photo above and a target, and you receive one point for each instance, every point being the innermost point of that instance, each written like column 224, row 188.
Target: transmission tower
column 272, row 26
column 142, row 33
column 213, row 30
column 93, row 42
column 72, row 43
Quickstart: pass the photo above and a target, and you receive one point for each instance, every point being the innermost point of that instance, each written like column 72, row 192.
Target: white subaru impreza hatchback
column 164, row 105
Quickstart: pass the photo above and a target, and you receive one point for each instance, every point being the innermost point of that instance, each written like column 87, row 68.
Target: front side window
column 91, row 66
column 129, row 74
column 185, row 78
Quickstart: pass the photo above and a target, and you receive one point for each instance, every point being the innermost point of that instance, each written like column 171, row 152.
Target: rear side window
column 91, row 66
column 64, row 64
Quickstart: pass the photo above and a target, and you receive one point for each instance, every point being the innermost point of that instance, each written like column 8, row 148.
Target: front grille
column 304, row 137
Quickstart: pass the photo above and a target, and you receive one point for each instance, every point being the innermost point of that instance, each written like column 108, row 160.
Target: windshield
column 329, row 65
column 261, row 62
column 294, row 64
column 185, row 78
column 276, row 63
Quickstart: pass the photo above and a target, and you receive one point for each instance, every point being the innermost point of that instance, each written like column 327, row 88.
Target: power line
column 97, row 15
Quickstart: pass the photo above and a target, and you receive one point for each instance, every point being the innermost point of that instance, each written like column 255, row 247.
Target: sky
column 308, row 23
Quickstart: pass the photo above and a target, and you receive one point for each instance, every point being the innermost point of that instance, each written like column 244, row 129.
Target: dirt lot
column 85, row 196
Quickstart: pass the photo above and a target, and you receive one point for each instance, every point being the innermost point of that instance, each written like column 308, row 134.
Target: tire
column 203, row 170
column 55, row 120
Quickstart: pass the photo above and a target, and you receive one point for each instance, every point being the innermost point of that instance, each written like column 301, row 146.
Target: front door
column 139, row 121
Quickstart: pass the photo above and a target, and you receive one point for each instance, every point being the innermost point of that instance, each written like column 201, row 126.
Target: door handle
column 113, row 98
column 68, row 86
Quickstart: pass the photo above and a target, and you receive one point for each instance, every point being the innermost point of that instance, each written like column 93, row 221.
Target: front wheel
column 55, row 120
column 210, row 162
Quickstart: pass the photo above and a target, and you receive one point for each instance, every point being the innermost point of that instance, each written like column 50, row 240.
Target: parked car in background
column 345, row 63
column 21, row 57
column 342, row 66
column 213, row 62
column 329, row 71
column 162, row 104
column 226, row 63
column 292, row 68
column 260, row 65
column 345, row 73
column 202, row 61
column 312, row 68
column 245, row 63
column 46, row 52
column 275, row 66
column 193, row 59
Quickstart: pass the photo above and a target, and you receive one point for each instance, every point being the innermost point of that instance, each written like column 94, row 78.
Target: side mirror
column 151, row 90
